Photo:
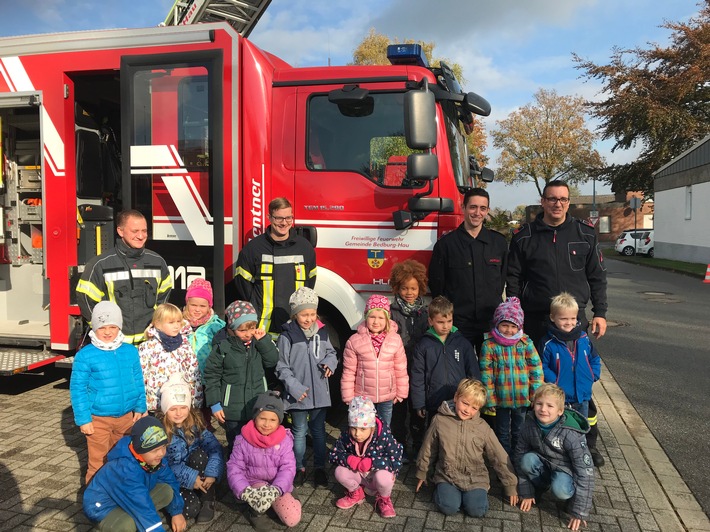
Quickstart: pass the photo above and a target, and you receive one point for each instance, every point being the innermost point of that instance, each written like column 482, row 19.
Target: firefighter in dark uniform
column 133, row 277
column 558, row 253
column 468, row 268
column 273, row 266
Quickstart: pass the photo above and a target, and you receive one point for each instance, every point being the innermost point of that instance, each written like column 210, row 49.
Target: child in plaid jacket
column 511, row 370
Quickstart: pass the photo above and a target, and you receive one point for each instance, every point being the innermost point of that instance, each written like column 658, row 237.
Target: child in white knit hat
column 368, row 458
column 106, row 386
column 194, row 454
column 307, row 360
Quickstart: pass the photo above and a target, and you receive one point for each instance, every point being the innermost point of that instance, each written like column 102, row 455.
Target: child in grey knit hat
column 307, row 360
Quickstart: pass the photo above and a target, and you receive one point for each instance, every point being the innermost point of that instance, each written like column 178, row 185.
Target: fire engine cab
column 198, row 128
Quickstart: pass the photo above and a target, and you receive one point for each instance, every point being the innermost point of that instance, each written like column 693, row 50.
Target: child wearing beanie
column 106, row 386
column 307, row 360
column 375, row 353
column 511, row 371
column 368, row 458
column 194, row 454
column 166, row 351
column 234, row 371
column 203, row 320
column 262, row 465
column 136, row 483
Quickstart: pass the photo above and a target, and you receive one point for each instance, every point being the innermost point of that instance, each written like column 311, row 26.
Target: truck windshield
column 367, row 138
column 457, row 148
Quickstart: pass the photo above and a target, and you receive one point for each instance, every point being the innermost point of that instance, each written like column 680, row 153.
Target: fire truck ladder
column 242, row 15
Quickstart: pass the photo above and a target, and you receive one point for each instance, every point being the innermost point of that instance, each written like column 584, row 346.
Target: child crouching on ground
column 456, row 442
column 136, row 483
column 261, row 468
column 194, row 454
column 367, row 456
column 552, row 453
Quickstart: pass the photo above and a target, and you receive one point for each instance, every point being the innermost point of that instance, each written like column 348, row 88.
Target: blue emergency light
column 407, row 54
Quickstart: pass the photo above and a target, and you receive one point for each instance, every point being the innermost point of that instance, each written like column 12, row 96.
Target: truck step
column 14, row 361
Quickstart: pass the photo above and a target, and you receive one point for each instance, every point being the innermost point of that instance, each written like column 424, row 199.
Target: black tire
column 628, row 251
column 651, row 253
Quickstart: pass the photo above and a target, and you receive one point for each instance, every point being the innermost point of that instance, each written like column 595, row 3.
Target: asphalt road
column 658, row 349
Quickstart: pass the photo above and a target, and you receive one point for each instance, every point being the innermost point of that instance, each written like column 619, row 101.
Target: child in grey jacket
column 307, row 359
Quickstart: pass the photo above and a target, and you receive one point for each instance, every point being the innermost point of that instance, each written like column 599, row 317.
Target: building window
column 604, row 225
column 689, row 202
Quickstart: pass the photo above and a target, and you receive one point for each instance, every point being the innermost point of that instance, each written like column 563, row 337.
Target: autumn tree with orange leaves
column 546, row 140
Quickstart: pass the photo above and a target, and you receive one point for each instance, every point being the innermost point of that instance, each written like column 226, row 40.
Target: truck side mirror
column 422, row 167
column 420, row 119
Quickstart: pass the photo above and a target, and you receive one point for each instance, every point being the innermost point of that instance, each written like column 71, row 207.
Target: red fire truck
column 199, row 129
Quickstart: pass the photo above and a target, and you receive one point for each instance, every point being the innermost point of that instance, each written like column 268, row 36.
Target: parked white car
column 639, row 242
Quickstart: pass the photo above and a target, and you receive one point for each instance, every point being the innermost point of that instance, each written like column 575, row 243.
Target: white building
column 682, row 196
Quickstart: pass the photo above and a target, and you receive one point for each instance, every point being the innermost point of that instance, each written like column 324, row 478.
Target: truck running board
column 14, row 361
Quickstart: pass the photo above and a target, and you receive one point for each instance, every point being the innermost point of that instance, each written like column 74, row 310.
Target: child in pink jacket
column 374, row 362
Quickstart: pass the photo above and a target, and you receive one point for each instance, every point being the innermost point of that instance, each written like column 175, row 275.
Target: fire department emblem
column 375, row 258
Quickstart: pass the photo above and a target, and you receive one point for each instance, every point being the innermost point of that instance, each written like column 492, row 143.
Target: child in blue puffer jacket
column 106, row 386
column 193, row 453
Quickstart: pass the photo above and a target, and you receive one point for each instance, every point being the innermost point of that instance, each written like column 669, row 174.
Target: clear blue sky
column 508, row 48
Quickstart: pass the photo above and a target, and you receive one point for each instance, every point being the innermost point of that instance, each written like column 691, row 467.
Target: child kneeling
column 552, row 453
column 367, row 456
column 135, row 483
column 457, row 440
column 262, row 466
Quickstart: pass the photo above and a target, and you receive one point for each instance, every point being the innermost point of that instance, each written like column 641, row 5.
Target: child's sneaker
column 351, row 498
column 385, row 507
column 300, row 477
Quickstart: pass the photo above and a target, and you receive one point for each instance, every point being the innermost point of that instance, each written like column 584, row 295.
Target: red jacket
column 381, row 378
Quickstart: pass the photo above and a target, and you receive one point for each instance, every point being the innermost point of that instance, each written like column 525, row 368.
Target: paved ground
column 42, row 454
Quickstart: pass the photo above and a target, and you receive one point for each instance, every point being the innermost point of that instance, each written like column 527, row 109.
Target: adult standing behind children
column 133, row 277
column 558, row 253
column 106, row 386
column 468, row 267
column 273, row 266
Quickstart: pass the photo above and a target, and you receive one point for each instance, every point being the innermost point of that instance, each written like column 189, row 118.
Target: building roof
column 589, row 199
column 700, row 156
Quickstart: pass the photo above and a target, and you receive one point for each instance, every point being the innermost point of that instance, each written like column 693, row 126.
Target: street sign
column 594, row 220
column 635, row 203
column 593, row 214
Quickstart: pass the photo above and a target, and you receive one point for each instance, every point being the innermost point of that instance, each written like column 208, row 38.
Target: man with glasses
column 273, row 266
column 557, row 253
column 468, row 268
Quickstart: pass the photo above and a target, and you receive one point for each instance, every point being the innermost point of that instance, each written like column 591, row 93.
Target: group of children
column 403, row 350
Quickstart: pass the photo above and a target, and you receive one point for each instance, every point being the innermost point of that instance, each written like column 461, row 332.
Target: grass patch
column 689, row 268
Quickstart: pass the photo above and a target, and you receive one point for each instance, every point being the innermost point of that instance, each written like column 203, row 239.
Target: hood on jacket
column 575, row 421
column 448, row 408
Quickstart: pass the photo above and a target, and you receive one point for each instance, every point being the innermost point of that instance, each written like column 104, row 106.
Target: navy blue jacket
column 438, row 367
column 179, row 451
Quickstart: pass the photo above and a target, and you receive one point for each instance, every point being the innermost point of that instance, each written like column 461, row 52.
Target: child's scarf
column 107, row 346
column 257, row 439
column 199, row 321
column 501, row 339
column 170, row 343
column 409, row 309
column 377, row 341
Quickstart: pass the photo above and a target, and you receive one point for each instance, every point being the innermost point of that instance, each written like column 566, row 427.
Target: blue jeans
column 449, row 499
column 300, row 424
column 541, row 476
column 509, row 421
column 582, row 408
column 384, row 411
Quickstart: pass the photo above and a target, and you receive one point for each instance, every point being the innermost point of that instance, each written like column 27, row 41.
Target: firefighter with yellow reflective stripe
column 273, row 266
column 136, row 279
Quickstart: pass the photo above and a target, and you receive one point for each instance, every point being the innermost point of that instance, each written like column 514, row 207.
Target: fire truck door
column 173, row 172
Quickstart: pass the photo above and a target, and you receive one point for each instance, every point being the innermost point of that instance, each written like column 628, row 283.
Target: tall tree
column 657, row 98
column 546, row 140
column 372, row 50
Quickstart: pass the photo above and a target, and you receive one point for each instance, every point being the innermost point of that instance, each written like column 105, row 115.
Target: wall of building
column 678, row 237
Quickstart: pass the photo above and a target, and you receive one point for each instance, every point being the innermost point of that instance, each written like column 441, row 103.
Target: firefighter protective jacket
column 269, row 271
column 137, row 280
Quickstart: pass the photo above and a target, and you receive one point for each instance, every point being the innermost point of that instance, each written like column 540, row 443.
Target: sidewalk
column 637, row 490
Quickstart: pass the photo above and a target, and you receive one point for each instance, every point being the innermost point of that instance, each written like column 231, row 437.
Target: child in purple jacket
column 262, row 466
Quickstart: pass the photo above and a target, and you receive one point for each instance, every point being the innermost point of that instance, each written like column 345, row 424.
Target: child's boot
column 385, row 507
column 260, row 522
column 351, row 498
column 208, row 502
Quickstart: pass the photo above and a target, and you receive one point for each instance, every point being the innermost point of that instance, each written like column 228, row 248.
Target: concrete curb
column 672, row 503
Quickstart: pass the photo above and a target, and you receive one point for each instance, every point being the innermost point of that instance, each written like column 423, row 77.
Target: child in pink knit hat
column 375, row 353
column 511, row 371
column 203, row 320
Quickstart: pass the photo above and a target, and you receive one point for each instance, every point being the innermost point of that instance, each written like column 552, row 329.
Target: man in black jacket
column 468, row 267
column 557, row 253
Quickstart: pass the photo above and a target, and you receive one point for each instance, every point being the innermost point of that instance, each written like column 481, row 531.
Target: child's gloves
column 353, row 462
column 260, row 499
column 365, row 465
